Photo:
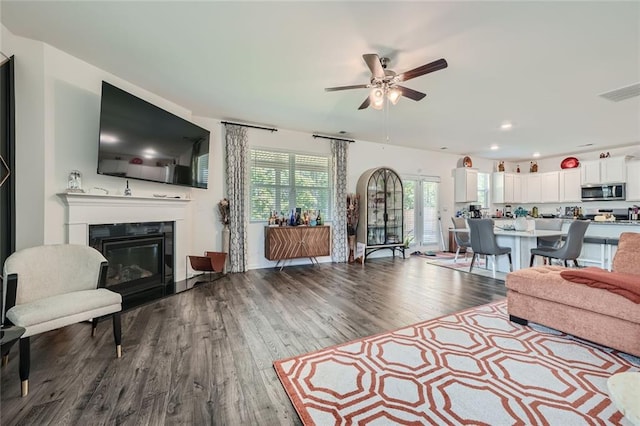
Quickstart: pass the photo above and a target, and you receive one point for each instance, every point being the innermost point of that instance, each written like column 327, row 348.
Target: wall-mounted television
column 139, row 140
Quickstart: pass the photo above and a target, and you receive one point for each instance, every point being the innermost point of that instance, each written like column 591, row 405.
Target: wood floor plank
column 205, row 356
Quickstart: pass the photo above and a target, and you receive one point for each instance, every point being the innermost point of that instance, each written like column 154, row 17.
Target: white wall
column 57, row 131
column 57, row 113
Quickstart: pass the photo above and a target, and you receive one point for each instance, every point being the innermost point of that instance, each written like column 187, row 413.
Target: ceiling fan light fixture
column 394, row 95
column 377, row 104
column 377, row 98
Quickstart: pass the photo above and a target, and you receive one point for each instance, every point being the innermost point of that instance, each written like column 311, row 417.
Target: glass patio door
column 421, row 211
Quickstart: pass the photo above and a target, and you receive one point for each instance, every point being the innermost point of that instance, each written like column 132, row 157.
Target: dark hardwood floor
column 205, row 356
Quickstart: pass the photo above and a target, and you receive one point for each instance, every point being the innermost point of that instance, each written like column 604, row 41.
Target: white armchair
column 52, row 286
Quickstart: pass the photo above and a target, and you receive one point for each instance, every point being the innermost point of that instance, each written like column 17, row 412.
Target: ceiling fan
column 384, row 82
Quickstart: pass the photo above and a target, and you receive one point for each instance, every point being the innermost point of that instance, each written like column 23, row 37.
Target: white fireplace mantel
column 91, row 209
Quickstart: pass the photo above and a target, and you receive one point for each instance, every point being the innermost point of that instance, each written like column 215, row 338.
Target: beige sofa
column 542, row 296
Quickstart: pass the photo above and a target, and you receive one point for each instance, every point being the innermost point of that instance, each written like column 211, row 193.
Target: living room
column 57, row 122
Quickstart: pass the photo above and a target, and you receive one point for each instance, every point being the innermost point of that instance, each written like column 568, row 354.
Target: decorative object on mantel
column 75, row 182
column 353, row 215
column 224, row 209
column 501, row 166
column 534, row 167
column 127, row 190
column 569, row 163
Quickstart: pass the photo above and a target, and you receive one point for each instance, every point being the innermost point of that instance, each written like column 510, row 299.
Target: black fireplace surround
column 141, row 259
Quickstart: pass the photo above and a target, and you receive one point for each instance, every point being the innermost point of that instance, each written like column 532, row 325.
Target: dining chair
column 461, row 238
column 52, row 286
column 571, row 248
column 550, row 241
column 483, row 241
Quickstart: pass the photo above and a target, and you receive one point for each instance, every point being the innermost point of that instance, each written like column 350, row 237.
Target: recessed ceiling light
column 536, row 154
column 506, row 125
column 494, row 147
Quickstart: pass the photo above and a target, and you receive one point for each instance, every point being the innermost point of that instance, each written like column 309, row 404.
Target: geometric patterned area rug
column 472, row 367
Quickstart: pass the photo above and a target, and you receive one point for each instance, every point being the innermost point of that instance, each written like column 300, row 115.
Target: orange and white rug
column 472, row 367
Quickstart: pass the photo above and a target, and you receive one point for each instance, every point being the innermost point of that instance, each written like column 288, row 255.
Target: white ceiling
column 540, row 65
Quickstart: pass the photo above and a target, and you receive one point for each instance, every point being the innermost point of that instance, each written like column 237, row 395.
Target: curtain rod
column 333, row 138
column 271, row 129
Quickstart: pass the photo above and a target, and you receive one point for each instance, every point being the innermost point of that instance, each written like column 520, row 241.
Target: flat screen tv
column 139, row 140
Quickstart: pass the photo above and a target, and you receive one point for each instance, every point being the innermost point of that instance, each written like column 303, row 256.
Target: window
column 483, row 190
column 283, row 181
column 203, row 169
column 421, row 225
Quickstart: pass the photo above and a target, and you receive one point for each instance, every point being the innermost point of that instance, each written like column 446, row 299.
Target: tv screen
column 139, row 140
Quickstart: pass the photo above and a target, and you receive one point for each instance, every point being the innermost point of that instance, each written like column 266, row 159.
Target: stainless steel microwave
column 607, row 192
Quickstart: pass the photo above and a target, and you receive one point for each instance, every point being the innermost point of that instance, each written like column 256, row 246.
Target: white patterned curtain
column 237, row 152
column 339, row 150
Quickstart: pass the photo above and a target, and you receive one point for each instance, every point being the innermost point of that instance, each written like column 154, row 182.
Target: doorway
column 421, row 210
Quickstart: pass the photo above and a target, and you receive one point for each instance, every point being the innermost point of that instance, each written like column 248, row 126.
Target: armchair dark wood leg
column 94, row 325
column 518, row 320
column 117, row 333
column 25, row 361
column 533, row 256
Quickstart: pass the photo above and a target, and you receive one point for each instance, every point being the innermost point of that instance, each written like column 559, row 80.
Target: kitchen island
column 592, row 254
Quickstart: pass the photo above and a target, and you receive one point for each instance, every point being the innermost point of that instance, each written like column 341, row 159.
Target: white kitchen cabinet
column 517, row 188
column 590, row 172
column 466, row 185
column 550, row 187
column 633, row 181
column 532, row 184
column 569, row 183
column 506, row 188
column 613, row 170
column 497, row 188
column 604, row 170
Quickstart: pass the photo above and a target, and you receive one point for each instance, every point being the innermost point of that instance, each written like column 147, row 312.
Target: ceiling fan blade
column 410, row 93
column 365, row 104
column 373, row 62
column 424, row 69
column 355, row 86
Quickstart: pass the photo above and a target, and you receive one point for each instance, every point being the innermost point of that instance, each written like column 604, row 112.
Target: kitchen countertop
column 593, row 222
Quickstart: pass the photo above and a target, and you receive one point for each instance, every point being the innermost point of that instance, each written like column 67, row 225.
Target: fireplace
column 140, row 257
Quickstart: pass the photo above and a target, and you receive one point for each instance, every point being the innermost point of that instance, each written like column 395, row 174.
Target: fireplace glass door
column 135, row 263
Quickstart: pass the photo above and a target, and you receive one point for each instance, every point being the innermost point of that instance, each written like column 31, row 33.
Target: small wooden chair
column 212, row 261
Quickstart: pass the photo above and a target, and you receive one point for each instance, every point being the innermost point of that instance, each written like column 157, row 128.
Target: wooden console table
column 294, row 242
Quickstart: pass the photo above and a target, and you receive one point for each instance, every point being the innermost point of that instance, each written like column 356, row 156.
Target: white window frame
column 326, row 213
column 418, row 231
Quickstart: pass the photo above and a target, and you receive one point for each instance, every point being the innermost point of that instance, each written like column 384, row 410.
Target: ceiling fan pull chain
column 386, row 118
